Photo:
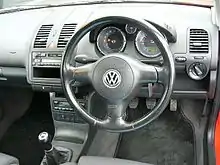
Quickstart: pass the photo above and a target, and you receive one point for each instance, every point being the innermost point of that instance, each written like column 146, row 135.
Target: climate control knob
column 197, row 71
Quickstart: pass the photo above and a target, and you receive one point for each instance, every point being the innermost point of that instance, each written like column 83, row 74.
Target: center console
column 62, row 111
column 44, row 62
column 71, row 131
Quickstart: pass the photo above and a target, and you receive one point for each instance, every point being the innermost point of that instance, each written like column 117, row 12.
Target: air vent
column 42, row 36
column 65, row 35
column 199, row 41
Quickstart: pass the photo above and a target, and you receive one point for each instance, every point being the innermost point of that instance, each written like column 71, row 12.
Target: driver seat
column 94, row 160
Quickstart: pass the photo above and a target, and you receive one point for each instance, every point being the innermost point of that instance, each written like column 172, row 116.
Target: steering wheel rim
column 115, row 121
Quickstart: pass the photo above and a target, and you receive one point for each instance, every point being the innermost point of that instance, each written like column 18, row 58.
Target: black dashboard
column 31, row 53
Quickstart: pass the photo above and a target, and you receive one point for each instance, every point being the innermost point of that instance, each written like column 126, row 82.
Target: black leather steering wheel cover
column 168, row 77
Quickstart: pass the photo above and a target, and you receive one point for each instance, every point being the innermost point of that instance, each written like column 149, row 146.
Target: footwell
column 166, row 141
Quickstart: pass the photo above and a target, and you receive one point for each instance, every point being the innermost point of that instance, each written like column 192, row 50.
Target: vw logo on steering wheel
column 112, row 78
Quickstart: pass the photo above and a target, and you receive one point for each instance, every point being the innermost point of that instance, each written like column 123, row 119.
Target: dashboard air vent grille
column 65, row 35
column 199, row 41
column 42, row 36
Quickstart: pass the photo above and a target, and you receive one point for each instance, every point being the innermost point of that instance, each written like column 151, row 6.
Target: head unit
column 44, row 67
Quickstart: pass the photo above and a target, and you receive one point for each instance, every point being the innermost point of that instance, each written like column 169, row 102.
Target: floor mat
column 166, row 141
column 21, row 138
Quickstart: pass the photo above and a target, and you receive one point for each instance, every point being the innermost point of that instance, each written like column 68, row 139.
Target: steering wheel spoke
column 116, row 109
column 116, row 114
column 80, row 74
column 148, row 74
column 162, row 75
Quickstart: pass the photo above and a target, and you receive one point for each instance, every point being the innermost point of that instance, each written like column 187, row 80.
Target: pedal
column 134, row 103
column 173, row 105
column 151, row 103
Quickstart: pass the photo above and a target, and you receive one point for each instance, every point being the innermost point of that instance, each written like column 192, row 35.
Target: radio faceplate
column 44, row 67
column 46, row 59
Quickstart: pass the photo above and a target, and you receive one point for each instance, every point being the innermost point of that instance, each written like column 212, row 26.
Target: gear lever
column 52, row 155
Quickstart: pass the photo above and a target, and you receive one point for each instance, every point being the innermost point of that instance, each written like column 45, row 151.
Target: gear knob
column 45, row 140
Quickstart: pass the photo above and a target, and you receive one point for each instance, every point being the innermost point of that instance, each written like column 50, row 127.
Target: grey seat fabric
column 69, row 163
column 8, row 160
column 93, row 160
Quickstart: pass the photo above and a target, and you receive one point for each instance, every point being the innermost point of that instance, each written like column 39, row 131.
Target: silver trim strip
column 212, row 84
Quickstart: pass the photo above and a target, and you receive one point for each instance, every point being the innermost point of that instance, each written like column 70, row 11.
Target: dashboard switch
column 180, row 59
column 199, row 58
column 43, row 54
column 197, row 71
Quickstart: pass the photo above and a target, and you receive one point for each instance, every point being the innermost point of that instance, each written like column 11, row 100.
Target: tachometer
column 146, row 45
column 111, row 40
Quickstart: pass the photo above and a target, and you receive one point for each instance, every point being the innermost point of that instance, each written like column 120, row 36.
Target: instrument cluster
column 113, row 39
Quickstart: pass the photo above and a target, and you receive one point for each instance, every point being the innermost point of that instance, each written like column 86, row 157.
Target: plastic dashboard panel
column 20, row 28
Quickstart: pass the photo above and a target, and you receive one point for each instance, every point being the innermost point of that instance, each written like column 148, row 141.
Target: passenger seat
column 93, row 160
column 8, row 160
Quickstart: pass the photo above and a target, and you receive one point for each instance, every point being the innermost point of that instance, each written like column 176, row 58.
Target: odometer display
column 146, row 45
column 111, row 40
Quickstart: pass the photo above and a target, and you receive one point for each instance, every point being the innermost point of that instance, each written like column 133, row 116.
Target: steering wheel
column 118, row 77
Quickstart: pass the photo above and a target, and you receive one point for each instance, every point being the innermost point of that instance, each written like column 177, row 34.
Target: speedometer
column 111, row 40
column 146, row 45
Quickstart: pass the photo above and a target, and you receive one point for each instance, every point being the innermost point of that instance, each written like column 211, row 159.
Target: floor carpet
column 166, row 141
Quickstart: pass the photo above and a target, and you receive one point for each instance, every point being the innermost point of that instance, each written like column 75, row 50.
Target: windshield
column 13, row 3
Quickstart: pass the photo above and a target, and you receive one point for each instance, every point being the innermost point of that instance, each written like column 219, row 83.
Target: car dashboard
column 33, row 43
